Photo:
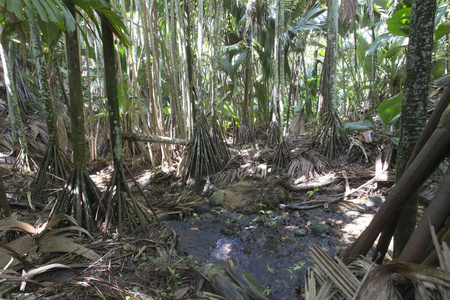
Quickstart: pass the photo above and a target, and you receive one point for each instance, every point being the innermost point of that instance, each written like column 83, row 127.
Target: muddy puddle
column 273, row 246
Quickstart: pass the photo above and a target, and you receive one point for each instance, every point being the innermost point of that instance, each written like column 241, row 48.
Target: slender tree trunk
column 189, row 58
column 330, row 141
column 184, row 76
column 276, row 62
column 281, row 61
column 200, row 56
column 216, row 59
column 15, row 119
column 308, row 104
column 332, row 46
column 38, row 54
column 177, row 114
column 414, row 107
column 76, row 99
column 109, row 55
column 147, row 32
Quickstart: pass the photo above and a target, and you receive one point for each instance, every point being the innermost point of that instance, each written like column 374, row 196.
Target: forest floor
column 245, row 212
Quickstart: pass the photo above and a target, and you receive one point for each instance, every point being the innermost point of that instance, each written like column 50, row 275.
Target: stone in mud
column 217, row 198
column 300, row 232
column 374, row 201
column 226, row 231
column 320, row 229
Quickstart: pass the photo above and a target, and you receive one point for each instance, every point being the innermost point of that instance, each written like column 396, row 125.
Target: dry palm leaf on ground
column 365, row 280
column 130, row 267
column 40, row 239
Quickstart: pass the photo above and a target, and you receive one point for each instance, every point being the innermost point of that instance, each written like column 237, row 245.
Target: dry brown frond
column 297, row 126
column 41, row 238
column 301, row 167
column 347, row 10
column 379, row 281
column 62, row 134
column 37, row 133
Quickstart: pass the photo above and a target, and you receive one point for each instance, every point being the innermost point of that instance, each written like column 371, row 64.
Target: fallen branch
column 307, row 204
column 131, row 136
column 306, row 187
column 304, row 207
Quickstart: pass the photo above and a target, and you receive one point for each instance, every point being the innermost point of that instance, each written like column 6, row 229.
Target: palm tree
column 80, row 196
column 23, row 161
column 121, row 213
column 414, row 106
column 55, row 164
column 329, row 141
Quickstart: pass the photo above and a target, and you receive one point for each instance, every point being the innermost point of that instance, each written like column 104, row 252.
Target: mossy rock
column 217, row 198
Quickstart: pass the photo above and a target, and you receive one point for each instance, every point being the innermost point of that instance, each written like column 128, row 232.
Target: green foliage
column 442, row 30
column 367, row 123
column 438, row 68
column 363, row 54
column 398, row 24
column 389, row 110
column 51, row 33
column 54, row 11
column 231, row 62
column 296, row 267
column 102, row 114
column 312, row 20
column 228, row 111
column 311, row 193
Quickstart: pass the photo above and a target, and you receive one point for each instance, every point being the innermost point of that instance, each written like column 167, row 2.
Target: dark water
column 260, row 241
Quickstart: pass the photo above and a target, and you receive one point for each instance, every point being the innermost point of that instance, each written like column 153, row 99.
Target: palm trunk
column 200, row 57
column 38, row 54
column 15, row 119
column 189, row 59
column 184, row 78
column 76, row 100
column 217, row 40
column 281, row 61
column 414, row 107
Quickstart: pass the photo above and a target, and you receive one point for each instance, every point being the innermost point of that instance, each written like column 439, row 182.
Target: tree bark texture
column 329, row 78
column 76, row 98
column 414, row 106
column 46, row 97
column 15, row 119
column 109, row 57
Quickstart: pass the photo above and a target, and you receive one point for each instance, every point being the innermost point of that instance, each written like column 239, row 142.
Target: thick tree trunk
column 414, row 107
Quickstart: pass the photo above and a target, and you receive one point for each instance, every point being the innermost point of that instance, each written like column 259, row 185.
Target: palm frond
column 347, row 10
